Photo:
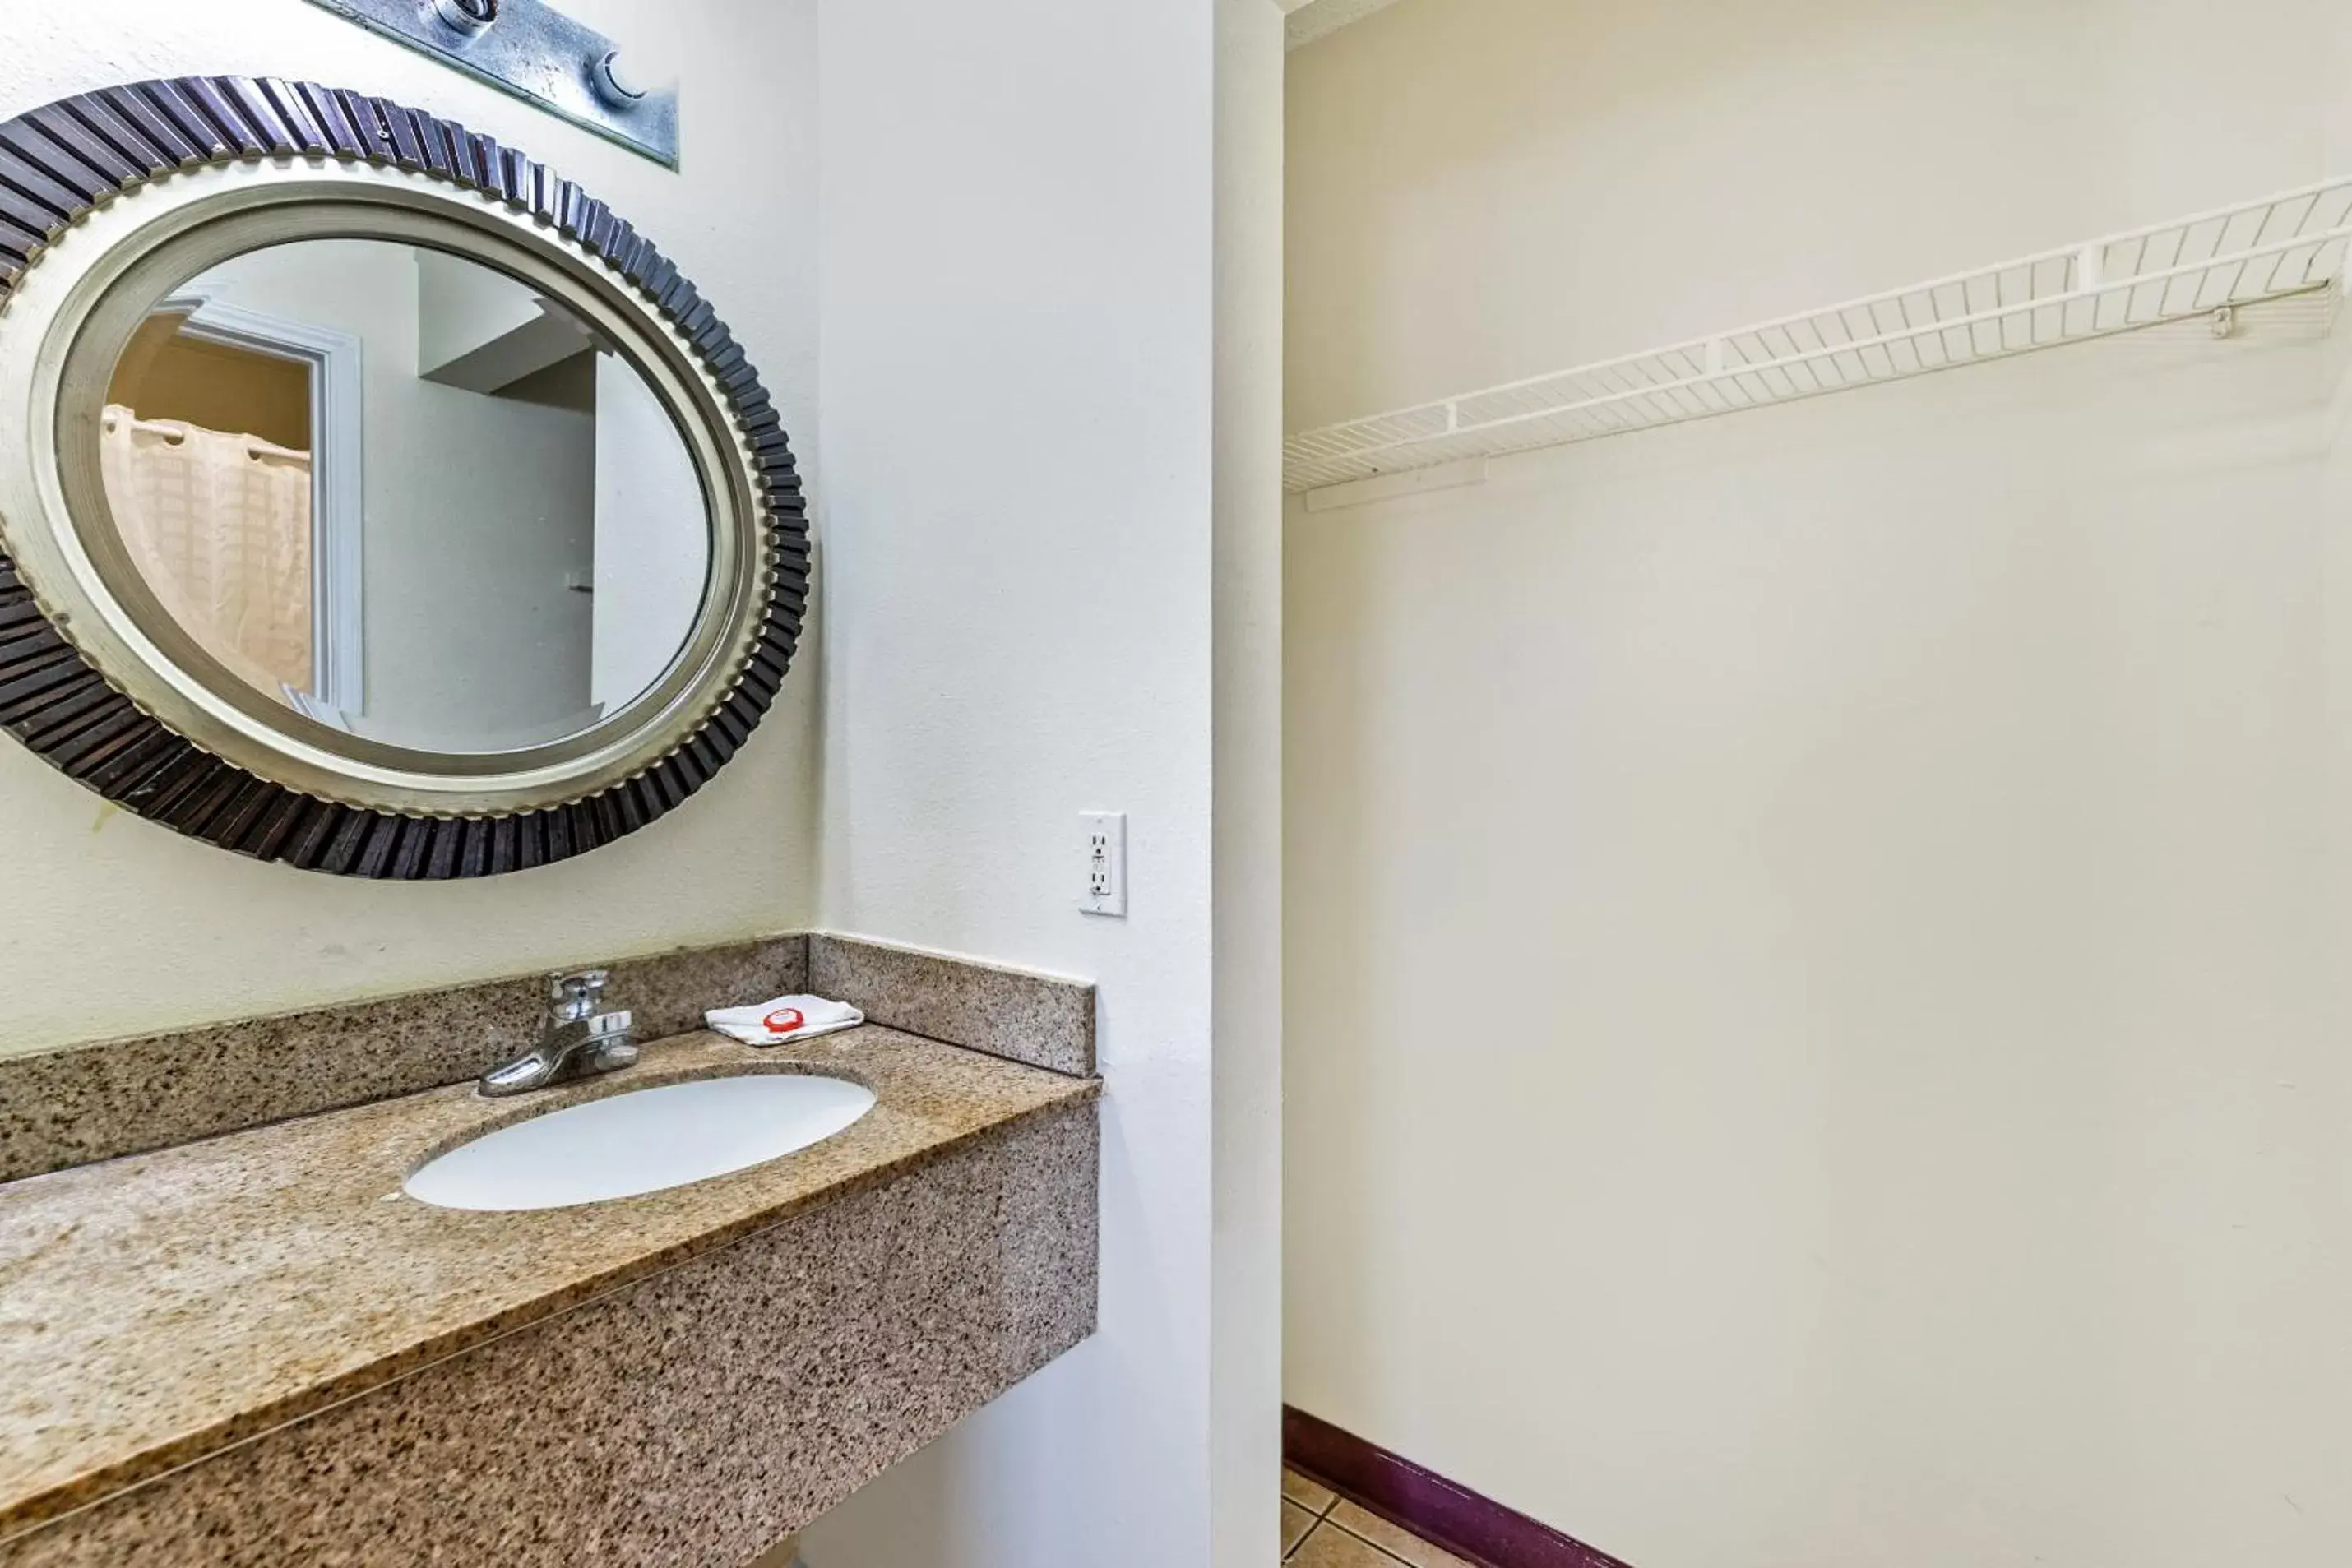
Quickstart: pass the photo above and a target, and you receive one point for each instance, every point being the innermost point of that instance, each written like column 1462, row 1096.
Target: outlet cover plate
column 1104, row 842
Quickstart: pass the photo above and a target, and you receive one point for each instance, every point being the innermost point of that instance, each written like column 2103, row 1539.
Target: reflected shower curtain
column 219, row 526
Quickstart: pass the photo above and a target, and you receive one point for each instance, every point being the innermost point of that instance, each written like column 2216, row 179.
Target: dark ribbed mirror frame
column 64, row 159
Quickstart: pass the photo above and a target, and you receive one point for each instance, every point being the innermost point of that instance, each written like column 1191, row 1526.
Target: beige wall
column 1485, row 189
column 111, row 925
column 217, row 385
column 1810, row 1028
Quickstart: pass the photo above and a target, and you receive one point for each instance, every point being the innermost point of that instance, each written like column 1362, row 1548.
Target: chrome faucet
column 580, row 1039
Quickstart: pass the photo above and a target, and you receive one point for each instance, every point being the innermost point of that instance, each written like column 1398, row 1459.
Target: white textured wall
column 653, row 552
column 1245, row 1379
column 114, row 925
column 502, row 488
column 1812, row 1027
column 1019, row 425
column 2338, row 501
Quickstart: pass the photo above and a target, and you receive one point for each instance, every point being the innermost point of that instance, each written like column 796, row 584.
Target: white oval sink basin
column 641, row 1140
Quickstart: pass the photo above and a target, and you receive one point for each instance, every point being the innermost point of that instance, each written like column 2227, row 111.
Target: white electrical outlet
column 1105, row 834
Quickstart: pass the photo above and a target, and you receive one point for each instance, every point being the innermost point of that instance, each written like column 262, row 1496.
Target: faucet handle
column 577, row 995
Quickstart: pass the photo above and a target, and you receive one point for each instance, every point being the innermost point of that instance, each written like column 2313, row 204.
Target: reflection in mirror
column 405, row 494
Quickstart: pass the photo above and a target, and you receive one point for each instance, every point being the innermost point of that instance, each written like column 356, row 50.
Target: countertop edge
column 37, row 1509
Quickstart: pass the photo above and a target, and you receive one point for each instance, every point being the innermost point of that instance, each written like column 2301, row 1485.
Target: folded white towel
column 780, row 1018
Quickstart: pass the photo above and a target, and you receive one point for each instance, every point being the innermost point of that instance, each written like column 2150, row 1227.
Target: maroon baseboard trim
column 1429, row 1505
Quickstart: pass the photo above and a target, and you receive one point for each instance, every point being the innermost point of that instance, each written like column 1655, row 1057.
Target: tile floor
column 1321, row 1531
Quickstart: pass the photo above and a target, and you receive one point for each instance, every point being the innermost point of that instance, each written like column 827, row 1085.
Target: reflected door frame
column 338, row 440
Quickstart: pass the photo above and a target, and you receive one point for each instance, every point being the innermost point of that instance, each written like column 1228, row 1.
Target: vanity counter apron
column 158, row 1309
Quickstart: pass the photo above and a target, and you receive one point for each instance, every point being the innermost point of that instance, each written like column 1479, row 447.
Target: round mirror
column 404, row 494
column 371, row 498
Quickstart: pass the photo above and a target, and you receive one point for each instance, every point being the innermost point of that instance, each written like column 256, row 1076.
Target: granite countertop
column 157, row 1308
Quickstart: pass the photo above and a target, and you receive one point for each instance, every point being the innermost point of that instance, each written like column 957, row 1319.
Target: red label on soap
column 783, row 1020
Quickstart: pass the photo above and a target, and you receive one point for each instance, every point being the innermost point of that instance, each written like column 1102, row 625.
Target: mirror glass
column 405, row 494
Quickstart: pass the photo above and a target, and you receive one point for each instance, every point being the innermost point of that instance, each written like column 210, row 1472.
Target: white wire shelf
column 2214, row 262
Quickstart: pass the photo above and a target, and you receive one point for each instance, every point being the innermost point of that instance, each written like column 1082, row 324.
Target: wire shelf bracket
column 2209, row 264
